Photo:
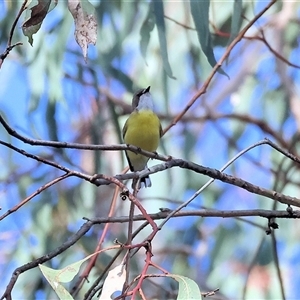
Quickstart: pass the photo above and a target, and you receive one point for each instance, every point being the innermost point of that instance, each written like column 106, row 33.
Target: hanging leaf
column 236, row 20
column 55, row 277
column 188, row 288
column 85, row 24
column 36, row 17
column 200, row 13
column 147, row 27
column 161, row 28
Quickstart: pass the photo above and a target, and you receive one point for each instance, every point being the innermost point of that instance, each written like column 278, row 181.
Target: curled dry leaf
column 36, row 13
column 85, row 24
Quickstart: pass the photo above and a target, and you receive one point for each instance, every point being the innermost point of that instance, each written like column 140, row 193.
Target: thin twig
column 217, row 66
column 78, row 146
column 11, row 33
column 161, row 215
column 83, row 277
column 277, row 266
column 71, row 241
column 37, row 192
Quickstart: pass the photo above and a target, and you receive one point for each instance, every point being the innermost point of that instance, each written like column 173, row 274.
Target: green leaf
column 188, row 288
column 51, row 121
column 145, row 31
column 55, row 277
column 236, row 20
column 161, row 28
column 200, row 12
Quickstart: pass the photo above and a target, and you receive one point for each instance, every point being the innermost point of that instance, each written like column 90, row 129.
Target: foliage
column 62, row 112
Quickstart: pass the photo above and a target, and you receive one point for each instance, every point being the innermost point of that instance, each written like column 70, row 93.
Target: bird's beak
column 147, row 89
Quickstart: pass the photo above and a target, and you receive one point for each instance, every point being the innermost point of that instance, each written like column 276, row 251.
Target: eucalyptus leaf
column 146, row 29
column 236, row 20
column 188, row 288
column 114, row 282
column 85, row 24
column 52, row 277
column 55, row 277
column 200, row 14
column 33, row 23
column 161, row 28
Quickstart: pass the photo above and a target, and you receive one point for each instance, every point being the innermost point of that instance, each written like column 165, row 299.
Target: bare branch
column 11, row 33
column 71, row 241
column 217, row 66
column 38, row 191
column 161, row 215
column 78, row 146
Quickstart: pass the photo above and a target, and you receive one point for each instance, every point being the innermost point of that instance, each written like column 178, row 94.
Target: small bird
column 142, row 129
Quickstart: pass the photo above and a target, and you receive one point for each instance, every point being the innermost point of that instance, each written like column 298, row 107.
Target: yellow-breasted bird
column 142, row 129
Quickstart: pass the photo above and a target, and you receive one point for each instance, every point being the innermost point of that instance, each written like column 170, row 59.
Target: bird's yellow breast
column 143, row 130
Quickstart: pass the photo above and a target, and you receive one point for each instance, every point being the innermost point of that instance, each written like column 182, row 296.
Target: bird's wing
column 124, row 130
column 160, row 130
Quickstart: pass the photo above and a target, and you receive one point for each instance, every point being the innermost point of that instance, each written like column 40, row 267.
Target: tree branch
column 217, row 66
column 11, row 33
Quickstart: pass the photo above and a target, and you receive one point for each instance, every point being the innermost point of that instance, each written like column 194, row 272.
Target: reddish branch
column 93, row 260
column 172, row 163
column 261, row 38
column 101, row 179
column 217, row 66
column 158, row 216
column 38, row 191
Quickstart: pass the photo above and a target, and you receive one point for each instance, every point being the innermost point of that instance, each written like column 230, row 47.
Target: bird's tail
column 144, row 182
